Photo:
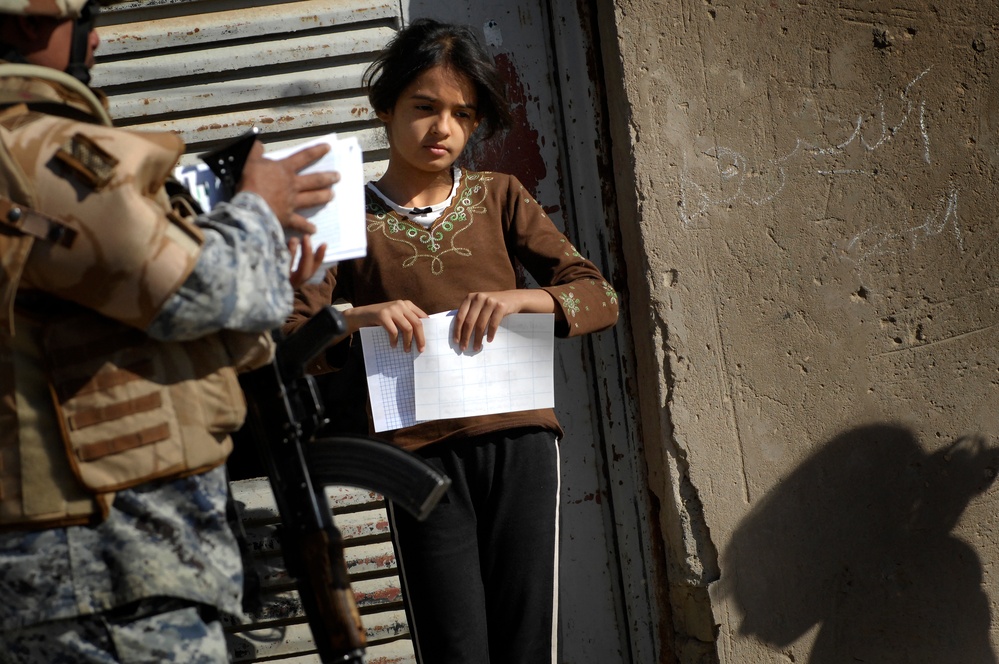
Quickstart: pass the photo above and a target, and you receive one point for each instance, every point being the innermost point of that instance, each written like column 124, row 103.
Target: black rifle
column 284, row 414
column 227, row 161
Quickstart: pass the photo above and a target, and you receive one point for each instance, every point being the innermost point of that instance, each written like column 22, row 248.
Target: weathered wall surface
column 812, row 186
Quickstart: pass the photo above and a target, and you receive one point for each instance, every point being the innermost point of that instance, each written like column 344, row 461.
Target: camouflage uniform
column 168, row 636
column 56, row 8
column 67, row 591
column 145, row 580
column 240, row 281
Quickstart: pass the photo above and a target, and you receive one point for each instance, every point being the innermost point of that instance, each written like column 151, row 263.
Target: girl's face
column 432, row 121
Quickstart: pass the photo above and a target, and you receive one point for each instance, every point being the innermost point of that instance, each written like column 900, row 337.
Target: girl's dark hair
column 426, row 43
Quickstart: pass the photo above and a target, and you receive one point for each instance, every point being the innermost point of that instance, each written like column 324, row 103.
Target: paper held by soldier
column 513, row 372
column 339, row 223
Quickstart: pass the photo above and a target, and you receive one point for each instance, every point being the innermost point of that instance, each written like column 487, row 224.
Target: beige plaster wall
column 807, row 193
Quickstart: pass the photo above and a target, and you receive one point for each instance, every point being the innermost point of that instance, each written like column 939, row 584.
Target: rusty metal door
column 548, row 52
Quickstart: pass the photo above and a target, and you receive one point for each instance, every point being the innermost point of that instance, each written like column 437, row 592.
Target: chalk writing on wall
column 732, row 179
column 878, row 239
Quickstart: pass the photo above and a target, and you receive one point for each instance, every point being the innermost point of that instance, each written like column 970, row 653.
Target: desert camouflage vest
column 91, row 249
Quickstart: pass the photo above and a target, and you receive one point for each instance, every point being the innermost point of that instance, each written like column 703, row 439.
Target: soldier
column 123, row 321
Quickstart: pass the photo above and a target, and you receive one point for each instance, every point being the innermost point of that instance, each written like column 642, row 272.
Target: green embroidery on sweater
column 439, row 240
column 571, row 251
column 610, row 293
column 570, row 303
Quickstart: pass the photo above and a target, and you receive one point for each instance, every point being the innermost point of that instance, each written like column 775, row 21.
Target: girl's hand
column 481, row 313
column 310, row 261
column 399, row 318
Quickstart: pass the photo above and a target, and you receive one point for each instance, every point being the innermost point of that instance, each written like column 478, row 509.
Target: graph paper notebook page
column 513, row 372
column 389, row 374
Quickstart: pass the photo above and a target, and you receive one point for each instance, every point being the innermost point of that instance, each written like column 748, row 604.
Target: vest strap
column 23, row 220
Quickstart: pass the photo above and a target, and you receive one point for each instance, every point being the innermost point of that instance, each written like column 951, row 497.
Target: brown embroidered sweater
column 492, row 225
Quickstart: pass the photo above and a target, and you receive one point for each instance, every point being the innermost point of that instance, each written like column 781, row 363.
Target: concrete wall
column 807, row 192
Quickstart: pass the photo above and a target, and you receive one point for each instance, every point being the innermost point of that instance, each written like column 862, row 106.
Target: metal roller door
column 209, row 69
column 279, row 632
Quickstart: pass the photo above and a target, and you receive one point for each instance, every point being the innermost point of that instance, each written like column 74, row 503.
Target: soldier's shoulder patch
column 89, row 161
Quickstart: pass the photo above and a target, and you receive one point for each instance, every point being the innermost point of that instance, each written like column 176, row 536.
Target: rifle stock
column 324, row 565
column 284, row 413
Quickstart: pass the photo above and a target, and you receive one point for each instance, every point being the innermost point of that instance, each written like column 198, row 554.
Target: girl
column 481, row 570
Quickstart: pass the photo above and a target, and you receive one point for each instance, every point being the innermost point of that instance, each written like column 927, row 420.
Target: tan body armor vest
column 91, row 249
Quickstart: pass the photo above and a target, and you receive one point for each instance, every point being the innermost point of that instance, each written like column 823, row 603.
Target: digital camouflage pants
column 144, row 634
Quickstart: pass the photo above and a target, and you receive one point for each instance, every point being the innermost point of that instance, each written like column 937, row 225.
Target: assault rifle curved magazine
column 284, row 413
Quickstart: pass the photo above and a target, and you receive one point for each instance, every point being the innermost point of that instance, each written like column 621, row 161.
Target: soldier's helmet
column 53, row 8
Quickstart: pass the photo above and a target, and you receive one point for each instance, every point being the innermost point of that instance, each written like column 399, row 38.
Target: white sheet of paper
column 339, row 223
column 513, row 372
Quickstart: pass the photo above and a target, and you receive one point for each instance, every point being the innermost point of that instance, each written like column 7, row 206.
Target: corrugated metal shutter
column 209, row 69
column 279, row 631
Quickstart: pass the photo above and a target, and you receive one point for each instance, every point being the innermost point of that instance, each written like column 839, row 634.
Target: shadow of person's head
column 857, row 540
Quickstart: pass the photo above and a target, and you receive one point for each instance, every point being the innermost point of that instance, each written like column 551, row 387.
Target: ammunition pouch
column 101, row 407
column 91, row 251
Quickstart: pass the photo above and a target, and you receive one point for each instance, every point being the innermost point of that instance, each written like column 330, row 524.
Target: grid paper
column 513, row 372
column 389, row 374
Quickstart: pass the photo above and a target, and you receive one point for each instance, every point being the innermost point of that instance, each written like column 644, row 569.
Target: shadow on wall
column 858, row 542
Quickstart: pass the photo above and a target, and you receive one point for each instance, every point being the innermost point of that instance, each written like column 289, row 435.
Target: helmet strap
column 81, row 40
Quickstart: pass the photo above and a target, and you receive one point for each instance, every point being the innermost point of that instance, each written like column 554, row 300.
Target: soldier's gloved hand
column 279, row 183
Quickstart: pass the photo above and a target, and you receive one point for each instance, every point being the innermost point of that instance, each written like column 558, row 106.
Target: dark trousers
column 480, row 573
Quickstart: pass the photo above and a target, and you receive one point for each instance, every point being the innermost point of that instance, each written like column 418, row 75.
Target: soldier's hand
column 309, row 262
column 280, row 184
